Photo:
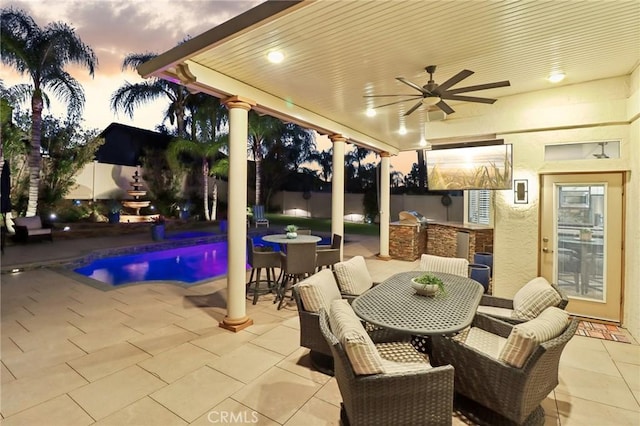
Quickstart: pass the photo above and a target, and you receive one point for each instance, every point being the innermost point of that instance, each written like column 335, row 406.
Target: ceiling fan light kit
column 433, row 94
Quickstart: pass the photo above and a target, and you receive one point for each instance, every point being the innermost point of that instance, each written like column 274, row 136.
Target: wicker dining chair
column 447, row 265
column 414, row 397
column 530, row 300
column 502, row 393
column 311, row 295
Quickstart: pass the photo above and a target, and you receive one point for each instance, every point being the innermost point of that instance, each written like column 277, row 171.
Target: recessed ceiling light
column 275, row 56
column 402, row 130
column 556, row 77
column 371, row 112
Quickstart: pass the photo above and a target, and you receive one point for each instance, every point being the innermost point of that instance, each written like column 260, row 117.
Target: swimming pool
column 188, row 265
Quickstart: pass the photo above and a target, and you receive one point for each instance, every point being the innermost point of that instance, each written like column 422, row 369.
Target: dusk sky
column 115, row 28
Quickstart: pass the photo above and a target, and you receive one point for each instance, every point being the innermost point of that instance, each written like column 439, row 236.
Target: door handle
column 546, row 250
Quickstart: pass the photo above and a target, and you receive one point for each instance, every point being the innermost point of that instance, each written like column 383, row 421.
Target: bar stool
column 297, row 264
column 261, row 258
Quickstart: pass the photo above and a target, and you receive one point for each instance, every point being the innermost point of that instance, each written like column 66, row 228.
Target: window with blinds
column 479, row 206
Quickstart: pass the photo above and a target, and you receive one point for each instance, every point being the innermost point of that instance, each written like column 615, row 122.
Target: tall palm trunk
column 205, row 187
column 258, row 160
column 35, row 158
column 214, row 199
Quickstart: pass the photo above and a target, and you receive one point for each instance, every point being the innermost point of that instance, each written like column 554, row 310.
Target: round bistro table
column 282, row 239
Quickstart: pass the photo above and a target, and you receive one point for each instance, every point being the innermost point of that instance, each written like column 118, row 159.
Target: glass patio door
column 581, row 240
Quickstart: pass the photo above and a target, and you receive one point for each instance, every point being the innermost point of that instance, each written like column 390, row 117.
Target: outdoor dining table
column 394, row 304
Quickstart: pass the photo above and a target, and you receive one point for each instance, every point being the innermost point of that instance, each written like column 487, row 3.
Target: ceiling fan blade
column 410, row 84
column 455, row 79
column 396, row 102
column 445, row 107
column 413, row 108
column 385, row 96
column 469, row 99
column 480, row 87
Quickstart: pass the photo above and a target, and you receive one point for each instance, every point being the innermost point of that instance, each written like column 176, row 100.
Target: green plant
column 291, row 228
column 429, row 279
column 115, row 206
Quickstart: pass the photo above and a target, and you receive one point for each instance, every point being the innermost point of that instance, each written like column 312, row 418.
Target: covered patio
column 336, row 54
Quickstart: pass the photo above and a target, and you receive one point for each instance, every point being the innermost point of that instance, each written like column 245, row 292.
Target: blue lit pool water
column 189, row 265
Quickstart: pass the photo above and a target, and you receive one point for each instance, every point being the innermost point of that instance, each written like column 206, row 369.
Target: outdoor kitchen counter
column 456, row 239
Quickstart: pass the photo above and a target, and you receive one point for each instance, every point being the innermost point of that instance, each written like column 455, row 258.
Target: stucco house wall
column 596, row 111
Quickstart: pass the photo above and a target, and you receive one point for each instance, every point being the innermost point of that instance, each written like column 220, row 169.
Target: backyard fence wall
column 102, row 181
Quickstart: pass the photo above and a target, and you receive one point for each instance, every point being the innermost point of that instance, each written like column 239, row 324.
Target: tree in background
column 43, row 54
column 284, row 158
column 131, row 96
column 262, row 132
column 66, row 149
column 207, row 115
column 325, row 160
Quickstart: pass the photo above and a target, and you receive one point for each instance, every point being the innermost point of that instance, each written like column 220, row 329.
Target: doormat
column 602, row 331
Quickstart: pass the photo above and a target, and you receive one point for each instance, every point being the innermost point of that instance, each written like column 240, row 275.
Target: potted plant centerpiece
column 292, row 231
column 427, row 284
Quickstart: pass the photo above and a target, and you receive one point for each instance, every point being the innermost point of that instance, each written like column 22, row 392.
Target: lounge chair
column 259, row 217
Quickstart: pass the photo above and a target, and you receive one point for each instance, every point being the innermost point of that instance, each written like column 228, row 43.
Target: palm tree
column 207, row 115
column 325, row 161
column 43, row 54
column 130, row 96
column 262, row 129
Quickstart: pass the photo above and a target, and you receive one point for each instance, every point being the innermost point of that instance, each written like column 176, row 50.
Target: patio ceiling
column 338, row 51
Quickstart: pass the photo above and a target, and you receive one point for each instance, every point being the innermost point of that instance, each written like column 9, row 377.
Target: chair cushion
column 446, row 265
column 524, row 337
column 495, row 311
column 482, row 341
column 533, row 298
column 31, row 222
column 353, row 276
column 318, row 291
column 357, row 344
column 401, row 357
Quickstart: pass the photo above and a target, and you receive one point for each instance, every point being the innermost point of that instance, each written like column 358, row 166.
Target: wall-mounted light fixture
column 521, row 191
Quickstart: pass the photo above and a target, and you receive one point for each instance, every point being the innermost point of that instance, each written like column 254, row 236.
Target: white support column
column 337, row 187
column 385, row 198
column 236, row 318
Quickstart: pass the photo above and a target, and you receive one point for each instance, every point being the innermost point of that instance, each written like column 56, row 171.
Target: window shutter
column 479, row 206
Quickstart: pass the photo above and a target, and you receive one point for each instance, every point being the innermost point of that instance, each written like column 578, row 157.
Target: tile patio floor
column 154, row 355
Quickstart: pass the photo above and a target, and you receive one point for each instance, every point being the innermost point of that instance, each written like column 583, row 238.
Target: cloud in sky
column 116, row 28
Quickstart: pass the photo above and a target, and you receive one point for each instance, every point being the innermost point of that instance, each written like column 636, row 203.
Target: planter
column 480, row 273
column 424, row 289
column 292, row 235
column 114, row 217
column 157, row 232
column 484, row 259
